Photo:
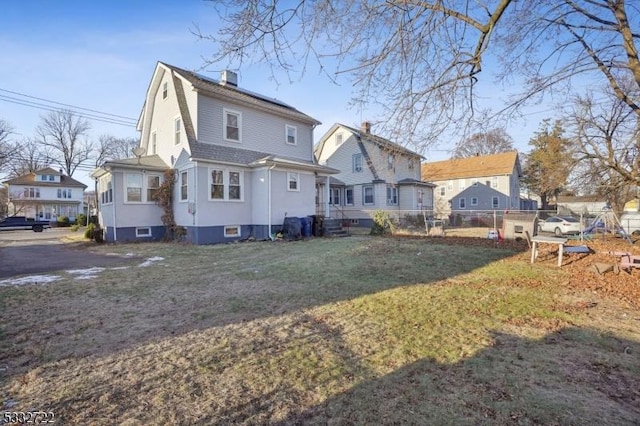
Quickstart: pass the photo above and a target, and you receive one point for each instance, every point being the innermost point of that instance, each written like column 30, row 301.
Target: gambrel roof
column 472, row 167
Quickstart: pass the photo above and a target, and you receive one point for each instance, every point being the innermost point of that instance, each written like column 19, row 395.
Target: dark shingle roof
column 30, row 179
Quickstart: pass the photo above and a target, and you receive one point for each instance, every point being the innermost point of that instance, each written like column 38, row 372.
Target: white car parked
column 560, row 225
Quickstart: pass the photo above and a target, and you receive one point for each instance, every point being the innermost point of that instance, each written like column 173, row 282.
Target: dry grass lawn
column 328, row 331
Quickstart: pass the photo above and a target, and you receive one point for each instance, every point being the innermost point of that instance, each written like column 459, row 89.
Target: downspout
column 113, row 206
column 271, row 236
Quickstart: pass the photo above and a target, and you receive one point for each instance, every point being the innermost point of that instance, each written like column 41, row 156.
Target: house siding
column 260, row 131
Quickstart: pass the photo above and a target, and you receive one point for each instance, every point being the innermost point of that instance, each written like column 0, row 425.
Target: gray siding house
column 241, row 162
column 375, row 174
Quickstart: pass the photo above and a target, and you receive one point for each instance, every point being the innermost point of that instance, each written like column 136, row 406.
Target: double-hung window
column 495, row 202
column 391, row 160
column 226, row 185
column 348, row 196
column 153, row 185
column 291, row 134
column 462, row 203
column 154, row 142
column 334, row 196
column 232, row 125
column 31, row 193
column 367, row 195
column 141, row 188
column 293, row 181
column 357, row 163
column 134, row 187
column 64, row 193
column 474, row 201
column 392, row 195
column 177, row 127
column 184, row 186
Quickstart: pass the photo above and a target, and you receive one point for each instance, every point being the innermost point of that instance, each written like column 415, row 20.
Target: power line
column 91, row 114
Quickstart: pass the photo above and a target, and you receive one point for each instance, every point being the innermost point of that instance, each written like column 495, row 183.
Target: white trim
column 180, row 199
column 144, row 188
column 287, row 127
column 474, row 201
column 225, row 112
column 236, row 234
column 226, row 180
column 177, row 130
column 296, row 178
column 373, row 195
column 145, row 235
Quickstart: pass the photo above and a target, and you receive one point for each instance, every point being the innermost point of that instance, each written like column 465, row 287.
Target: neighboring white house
column 242, row 162
column 489, row 182
column 45, row 194
column 577, row 205
column 375, row 174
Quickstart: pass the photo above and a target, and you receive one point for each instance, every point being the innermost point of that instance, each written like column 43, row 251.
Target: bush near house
column 63, row 221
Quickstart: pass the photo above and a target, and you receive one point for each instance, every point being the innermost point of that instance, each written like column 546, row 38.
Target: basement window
column 231, row 231
column 143, row 232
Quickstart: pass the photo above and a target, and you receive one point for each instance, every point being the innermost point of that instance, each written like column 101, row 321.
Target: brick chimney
column 366, row 127
column 229, row 78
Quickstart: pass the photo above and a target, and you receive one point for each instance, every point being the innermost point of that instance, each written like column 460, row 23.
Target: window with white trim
column 133, row 184
column 462, row 203
column 443, row 191
column 106, row 191
column 232, row 123
column 153, row 185
column 177, row 128
column 291, row 134
column 141, row 188
column 184, row 186
column 357, row 163
column 154, row 139
column 410, row 164
column 495, row 202
column 391, row 160
column 392, row 195
column 367, row 195
column 64, row 193
column 232, row 231
column 31, row 193
column 165, row 90
column 339, row 138
column 474, row 201
column 226, row 185
column 348, row 196
column 143, row 231
column 293, row 183
column 334, row 196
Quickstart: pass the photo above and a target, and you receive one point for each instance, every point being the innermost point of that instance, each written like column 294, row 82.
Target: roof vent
column 229, row 78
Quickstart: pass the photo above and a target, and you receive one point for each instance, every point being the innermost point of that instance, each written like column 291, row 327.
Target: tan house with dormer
column 488, row 182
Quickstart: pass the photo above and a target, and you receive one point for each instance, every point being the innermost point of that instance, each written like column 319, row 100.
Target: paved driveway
column 28, row 252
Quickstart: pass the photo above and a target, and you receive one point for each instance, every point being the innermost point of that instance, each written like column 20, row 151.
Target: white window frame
column 236, row 234
column 165, row 90
column 184, row 186
column 443, row 191
column 364, row 195
column 410, row 164
column 462, row 203
column 154, row 142
column 347, row 190
column 177, row 129
column 391, row 161
column 226, row 180
column 148, row 194
column 392, row 195
column 143, row 234
column 293, row 177
column 339, row 139
column 143, row 188
column 31, row 192
column 495, row 202
column 357, row 163
column 294, row 130
column 474, row 201
column 225, row 135
column 332, row 196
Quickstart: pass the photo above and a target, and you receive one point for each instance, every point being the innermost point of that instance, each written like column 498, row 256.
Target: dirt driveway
column 27, row 252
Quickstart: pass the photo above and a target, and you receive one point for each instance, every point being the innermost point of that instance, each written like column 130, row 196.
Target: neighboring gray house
column 480, row 196
column 242, row 162
column 375, row 174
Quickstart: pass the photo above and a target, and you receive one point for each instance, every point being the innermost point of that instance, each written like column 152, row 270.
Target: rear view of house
column 239, row 162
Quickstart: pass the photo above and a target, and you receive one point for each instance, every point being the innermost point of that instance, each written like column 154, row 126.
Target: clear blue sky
column 100, row 56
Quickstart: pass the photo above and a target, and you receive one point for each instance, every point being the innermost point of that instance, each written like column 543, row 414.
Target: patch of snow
column 150, row 261
column 115, row 268
column 89, row 271
column 31, row 279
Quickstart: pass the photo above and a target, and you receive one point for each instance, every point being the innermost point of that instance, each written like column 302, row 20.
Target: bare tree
column 607, row 141
column 64, row 135
column 423, row 61
column 112, row 148
column 494, row 141
column 29, row 156
column 7, row 149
